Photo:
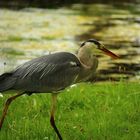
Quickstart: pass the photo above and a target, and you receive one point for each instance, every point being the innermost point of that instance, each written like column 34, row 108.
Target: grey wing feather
column 39, row 73
column 6, row 81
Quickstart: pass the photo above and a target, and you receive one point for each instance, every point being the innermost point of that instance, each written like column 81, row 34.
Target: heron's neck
column 86, row 57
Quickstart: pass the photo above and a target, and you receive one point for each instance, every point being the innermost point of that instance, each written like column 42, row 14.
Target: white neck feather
column 87, row 57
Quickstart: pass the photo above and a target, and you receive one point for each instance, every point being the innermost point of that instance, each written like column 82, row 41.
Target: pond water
column 31, row 32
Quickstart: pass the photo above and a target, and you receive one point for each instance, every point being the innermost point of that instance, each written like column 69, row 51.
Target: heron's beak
column 106, row 51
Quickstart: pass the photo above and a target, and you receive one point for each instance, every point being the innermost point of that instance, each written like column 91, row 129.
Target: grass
column 103, row 111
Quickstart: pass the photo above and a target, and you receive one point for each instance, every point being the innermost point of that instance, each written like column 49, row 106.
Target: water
column 31, row 32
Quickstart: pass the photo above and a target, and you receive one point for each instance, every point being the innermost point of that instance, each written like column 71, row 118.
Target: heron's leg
column 5, row 109
column 52, row 121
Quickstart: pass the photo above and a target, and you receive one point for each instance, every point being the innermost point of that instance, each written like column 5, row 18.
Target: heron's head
column 94, row 46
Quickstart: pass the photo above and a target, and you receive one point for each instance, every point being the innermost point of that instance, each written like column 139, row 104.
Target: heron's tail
column 6, row 81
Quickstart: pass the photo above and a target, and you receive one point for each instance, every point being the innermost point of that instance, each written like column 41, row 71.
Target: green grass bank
column 101, row 111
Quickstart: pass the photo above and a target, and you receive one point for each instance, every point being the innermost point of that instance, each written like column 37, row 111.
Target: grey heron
column 52, row 73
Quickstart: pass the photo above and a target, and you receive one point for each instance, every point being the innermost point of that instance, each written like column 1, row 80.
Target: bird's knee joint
column 52, row 121
column 9, row 100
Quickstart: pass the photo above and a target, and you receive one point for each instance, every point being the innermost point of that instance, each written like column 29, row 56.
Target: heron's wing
column 54, row 70
column 42, row 69
column 47, row 65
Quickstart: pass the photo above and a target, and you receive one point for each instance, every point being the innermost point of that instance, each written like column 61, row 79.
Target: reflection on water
column 32, row 32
